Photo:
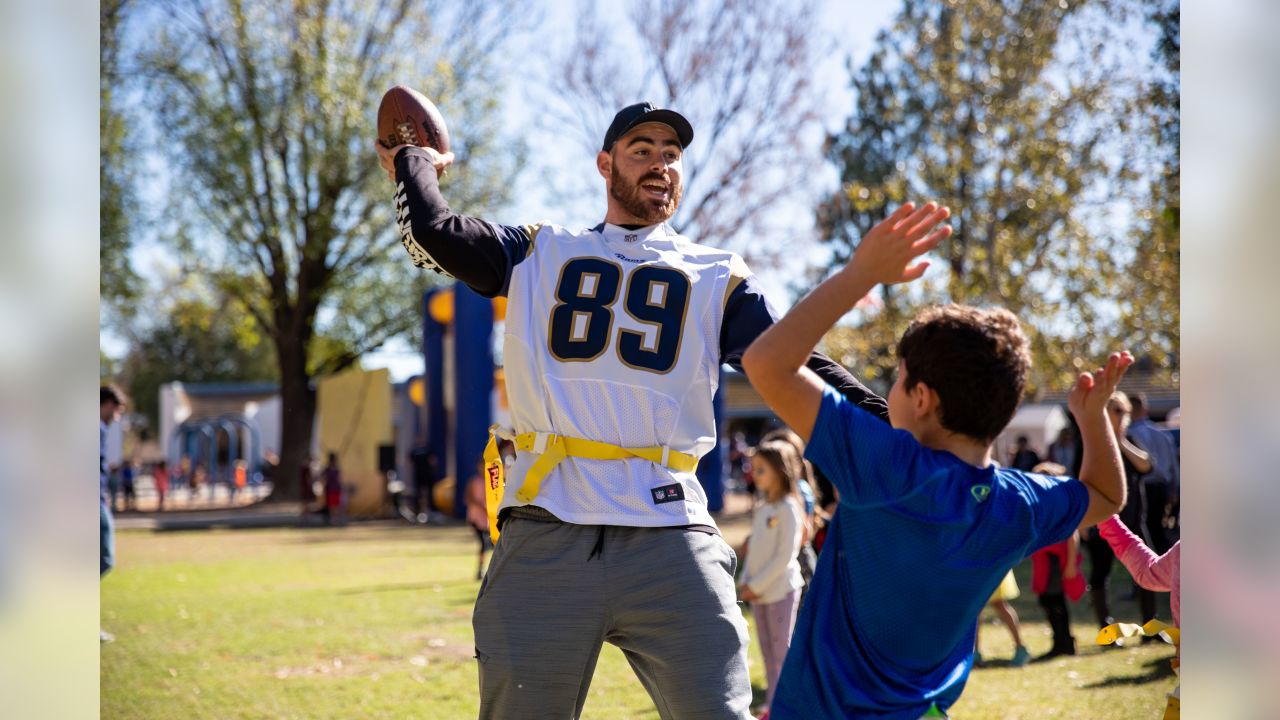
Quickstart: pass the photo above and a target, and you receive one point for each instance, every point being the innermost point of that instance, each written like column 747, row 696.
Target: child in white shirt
column 771, row 580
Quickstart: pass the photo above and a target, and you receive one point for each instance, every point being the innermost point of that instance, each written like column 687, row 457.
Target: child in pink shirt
column 1158, row 573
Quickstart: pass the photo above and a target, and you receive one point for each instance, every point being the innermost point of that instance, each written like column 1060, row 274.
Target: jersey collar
column 639, row 236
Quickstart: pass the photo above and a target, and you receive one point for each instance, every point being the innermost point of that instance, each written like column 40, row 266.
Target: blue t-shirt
column 918, row 543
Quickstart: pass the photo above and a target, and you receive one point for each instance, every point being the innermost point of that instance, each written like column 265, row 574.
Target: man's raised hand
column 387, row 158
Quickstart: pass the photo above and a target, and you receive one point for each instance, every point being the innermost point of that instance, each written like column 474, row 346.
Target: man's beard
column 630, row 196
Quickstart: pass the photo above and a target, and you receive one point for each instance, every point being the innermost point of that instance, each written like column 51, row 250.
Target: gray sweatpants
column 555, row 592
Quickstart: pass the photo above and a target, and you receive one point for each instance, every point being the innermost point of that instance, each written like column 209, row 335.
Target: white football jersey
column 614, row 336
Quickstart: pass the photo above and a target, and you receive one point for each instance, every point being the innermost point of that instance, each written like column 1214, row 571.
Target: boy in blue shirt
column 927, row 526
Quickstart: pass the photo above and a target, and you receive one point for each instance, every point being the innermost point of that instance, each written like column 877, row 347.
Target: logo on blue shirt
column 980, row 492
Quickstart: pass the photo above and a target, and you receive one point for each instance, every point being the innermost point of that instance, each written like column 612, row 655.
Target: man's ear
column 604, row 164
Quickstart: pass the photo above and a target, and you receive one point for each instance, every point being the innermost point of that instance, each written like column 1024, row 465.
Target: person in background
column 1006, row 591
column 1160, row 486
column 114, row 485
column 1161, row 573
column 478, row 516
column 808, row 555
column 109, row 404
column 332, row 490
column 771, row 579
column 1055, row 578
column 127, row 485
column 200, row 479
column 1021, row 456
column 160, row 478
column 425, row 475
column 1155, row 573
column 1137, row 463
column 239, row 477
column 1063, row 450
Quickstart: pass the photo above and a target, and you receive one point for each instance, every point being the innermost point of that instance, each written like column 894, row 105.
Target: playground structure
column 225, row 431
column 461, row 392
column 198, row 442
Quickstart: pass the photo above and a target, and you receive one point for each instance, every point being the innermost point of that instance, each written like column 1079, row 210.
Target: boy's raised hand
column 1101, row 466
column 1088, row 398
column 885, row 253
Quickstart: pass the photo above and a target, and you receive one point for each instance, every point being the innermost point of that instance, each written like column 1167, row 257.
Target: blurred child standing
column 771, row 578
column 1006, row 591
column 478, row 516
column 1055, row 578
column 808, row 555
column 160, row 478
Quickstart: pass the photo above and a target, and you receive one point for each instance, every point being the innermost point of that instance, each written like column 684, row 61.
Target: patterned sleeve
column 479, row 253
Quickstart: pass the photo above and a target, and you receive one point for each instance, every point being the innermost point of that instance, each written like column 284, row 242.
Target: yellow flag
column 1153, row 628
column 494, row 483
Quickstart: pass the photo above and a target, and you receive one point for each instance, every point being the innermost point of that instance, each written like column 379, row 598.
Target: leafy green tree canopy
column 1020, row 117
column 265, row 113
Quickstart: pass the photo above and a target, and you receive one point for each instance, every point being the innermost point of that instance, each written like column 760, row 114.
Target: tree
column 197, row 334
column 1151, row 285
column 118, row 202
column 266, row 111
column 739, row 70
column 1015, row 115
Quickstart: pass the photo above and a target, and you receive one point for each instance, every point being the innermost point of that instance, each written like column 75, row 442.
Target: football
column 407, row 117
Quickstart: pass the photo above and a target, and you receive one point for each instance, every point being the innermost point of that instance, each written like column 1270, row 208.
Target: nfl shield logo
column 631, row 238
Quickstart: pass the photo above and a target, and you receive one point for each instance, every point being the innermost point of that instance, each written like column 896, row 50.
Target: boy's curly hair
column 975, row 359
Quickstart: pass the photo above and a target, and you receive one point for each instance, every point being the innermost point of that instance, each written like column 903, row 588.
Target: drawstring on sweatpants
column 598, row 550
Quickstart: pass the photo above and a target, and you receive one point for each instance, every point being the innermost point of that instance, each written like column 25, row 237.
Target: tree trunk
column 297, row 420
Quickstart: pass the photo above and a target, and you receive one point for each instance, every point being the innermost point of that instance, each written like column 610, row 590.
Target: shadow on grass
column 1157, row 669
column 993, row 664
column 396, row 587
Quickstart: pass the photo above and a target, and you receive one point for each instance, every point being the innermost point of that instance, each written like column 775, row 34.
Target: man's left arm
column 748, row 314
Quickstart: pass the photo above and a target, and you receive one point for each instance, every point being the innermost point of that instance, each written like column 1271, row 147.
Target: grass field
column 374, row 621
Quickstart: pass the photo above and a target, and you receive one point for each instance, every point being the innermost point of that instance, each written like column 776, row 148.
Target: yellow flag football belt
column 551, row 449
column 1153, row 628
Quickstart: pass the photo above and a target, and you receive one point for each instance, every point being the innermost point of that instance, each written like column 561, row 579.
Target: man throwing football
column 614, row 341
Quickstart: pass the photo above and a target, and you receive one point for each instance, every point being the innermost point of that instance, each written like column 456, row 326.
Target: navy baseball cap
column 643, row 112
